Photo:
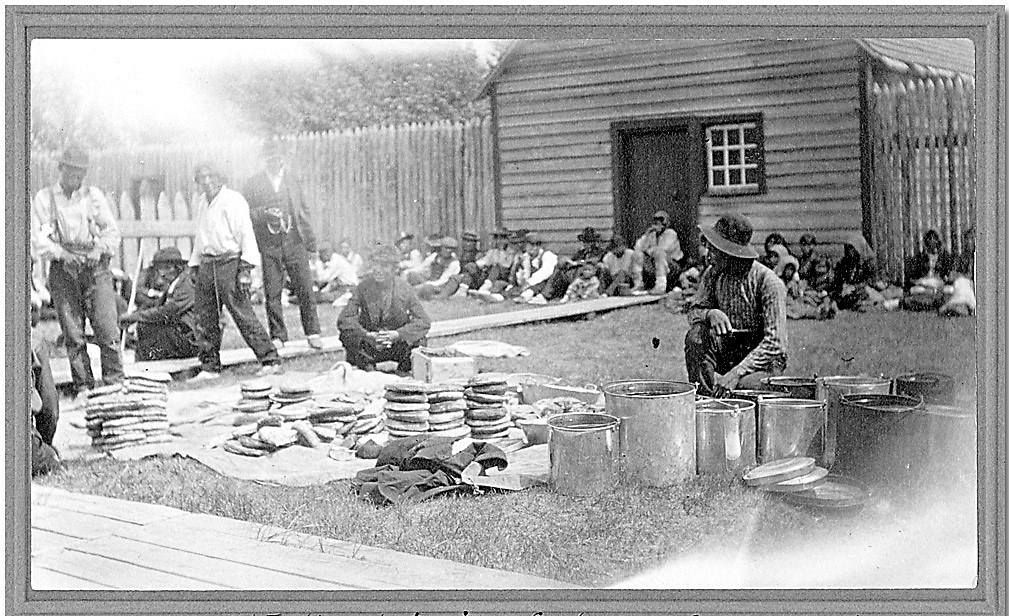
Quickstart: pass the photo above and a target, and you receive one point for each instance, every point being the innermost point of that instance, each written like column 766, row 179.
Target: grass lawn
column 594, row 542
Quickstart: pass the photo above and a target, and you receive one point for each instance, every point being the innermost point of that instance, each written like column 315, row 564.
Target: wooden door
column 654, row 170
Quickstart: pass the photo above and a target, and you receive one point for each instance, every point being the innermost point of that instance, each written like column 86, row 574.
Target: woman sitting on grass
column 854, row 271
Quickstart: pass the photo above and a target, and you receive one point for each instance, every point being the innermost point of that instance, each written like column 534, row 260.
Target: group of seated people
column 818, row 286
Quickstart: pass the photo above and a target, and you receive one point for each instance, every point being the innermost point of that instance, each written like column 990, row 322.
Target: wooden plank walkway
column 84, row 542
column 439, row 329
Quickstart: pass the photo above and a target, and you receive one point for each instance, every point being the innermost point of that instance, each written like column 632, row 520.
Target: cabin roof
column 922, row 56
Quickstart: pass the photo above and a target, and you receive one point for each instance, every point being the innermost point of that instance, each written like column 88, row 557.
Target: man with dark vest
column 737, row 315
column 166, row 325
column 285, row 239
column 384, row 320
column 72, row 226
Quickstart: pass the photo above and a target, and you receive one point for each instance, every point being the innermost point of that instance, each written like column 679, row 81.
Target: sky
column 140, row 81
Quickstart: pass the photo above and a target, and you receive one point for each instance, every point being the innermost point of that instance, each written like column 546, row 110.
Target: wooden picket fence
column 923, row 160
column 364, row 184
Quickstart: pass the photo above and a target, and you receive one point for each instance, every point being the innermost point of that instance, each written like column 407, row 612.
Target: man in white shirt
column 538, row 266
column 659, row 254
column 224, row 254
column 72, row 227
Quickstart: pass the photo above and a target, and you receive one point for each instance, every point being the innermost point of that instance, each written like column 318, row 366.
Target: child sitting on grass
column 585, row 286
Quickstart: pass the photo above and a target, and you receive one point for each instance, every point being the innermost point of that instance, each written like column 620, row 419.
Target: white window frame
column 748, row 166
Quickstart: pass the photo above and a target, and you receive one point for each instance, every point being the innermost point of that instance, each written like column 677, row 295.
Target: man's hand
column 726, row 382
column 386, row 338
column 719, row 322
column 245, row 282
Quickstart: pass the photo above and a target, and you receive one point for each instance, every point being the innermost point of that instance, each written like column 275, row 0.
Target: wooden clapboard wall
column 555, row 102
column 364, row 184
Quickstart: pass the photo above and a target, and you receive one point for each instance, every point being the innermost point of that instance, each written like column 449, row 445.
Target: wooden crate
column 432, row 365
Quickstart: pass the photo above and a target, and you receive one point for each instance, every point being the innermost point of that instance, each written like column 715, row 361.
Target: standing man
column 384, row 320
column 166, row 327
column 659, row 255
column 285, row 239
column 737, row 316
column 73, row 227
column 224, row 254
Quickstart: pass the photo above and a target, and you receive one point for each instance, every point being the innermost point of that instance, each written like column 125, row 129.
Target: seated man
column 45, row 413
column 384, row 320
column 410, row 257
column 531, row 279
column 659, row 256
column 491, row 267
column 443, row 272
column 617, row 272
column 568, row 269
column 166, row 327
column 926, row 274
column 959, row 292
column 337, row 276
column 737, row 316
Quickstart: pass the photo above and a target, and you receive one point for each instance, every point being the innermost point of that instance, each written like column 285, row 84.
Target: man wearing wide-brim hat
column 74, row 230
column 383, row 320
column 737, row 316
column 166, row 325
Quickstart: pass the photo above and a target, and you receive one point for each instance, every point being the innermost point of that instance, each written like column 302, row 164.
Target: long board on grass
column 295, row 348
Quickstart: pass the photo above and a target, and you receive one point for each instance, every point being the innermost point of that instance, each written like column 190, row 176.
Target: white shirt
column 224, row 226
column 542, row 267
column 667, row 242
column 276, row 180
column 83, row 219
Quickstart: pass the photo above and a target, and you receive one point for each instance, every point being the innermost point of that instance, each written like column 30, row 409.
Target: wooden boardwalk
column 439, row 329
column 84, row 542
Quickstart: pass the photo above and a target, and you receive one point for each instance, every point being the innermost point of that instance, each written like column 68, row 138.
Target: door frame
column 621, row 130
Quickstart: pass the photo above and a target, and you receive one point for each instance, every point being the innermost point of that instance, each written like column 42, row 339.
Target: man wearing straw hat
column 73, row 227
column 166, row 326
column 737, row 316
column 384, row 320
column 285, row 238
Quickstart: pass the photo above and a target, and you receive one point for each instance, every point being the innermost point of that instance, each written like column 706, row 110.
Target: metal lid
column 789, row 381
column 803, row 482
column 837, row 493
column 847, row 379
column 723, row 405
column 882, row 402
column 778, row 470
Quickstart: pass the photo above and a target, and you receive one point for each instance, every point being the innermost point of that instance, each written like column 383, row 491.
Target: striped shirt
column 753, row 300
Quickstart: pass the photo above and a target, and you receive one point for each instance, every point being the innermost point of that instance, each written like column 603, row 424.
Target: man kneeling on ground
column 384, row 320
column 166, row 329
column 737, row 316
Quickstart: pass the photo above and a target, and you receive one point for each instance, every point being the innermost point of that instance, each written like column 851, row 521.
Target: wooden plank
column 77, row 525
column 46, row 540
column 211, row 570
column 43, row 577
column 112, row 508
column 106, row 568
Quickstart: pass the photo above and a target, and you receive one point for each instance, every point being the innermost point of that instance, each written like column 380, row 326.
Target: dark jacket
column 258, row 192
column 175, row 306
column 370, row 310
column 917, row 267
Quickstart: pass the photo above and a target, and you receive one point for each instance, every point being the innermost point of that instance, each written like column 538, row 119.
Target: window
column 735, row 157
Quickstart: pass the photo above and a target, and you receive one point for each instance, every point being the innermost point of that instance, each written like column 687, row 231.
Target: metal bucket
column 932, row 387
column 791, row 427
column 657, row 429
column 830, row 389
column 726, row 436
column 951, row 445
column 881, row 438
column 756, row 396
column 795, row 386
column 584, row 453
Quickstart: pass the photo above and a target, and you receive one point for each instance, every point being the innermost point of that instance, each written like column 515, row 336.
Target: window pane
column 734, row 157
column 733, row 135
column 717, row 137
column 750, row 135
column 717, row 178
column 718, row 158
column 735, row 177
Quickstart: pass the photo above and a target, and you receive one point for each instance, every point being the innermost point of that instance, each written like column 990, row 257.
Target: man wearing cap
column 166, row 326
column 285, row 238
column 384, row 320
column 442, row 271
column 659, row 255
column 737, row 316
column 73, row 227
column 538, row 265
column 224, row 255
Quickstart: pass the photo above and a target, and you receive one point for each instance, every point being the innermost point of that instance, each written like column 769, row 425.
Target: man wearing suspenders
column 72, row 226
